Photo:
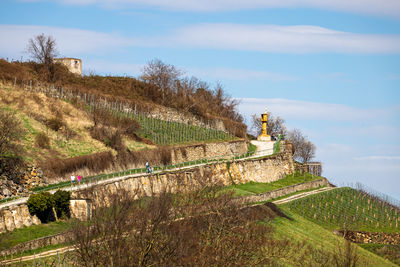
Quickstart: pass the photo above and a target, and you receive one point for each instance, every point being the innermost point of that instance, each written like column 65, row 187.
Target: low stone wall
column 38, row 243
column 208, row 150
column 368, row 237
column 16, row 216
column 171, row 114
column 286, row 190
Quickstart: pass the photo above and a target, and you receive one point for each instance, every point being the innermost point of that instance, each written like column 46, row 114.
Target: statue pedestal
column 264, row 138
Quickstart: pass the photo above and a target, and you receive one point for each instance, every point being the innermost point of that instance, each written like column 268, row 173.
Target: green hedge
column 42, row 205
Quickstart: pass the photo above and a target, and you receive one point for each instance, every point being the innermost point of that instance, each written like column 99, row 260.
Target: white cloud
column 372, row 7
column 70, row 41
column 306, row 110
column 283, row 39
column 264, row 38
column 378, row 158
column 241, row 74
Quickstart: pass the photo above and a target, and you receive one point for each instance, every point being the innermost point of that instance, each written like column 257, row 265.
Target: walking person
column 72, row 179
column 79, row 179
column 148, row 168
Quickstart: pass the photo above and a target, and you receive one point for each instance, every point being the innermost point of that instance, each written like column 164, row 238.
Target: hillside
column 359, row 216
column 94, row 124
column 192, row 97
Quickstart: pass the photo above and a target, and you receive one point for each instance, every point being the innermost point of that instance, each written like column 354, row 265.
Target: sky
column 329, row 68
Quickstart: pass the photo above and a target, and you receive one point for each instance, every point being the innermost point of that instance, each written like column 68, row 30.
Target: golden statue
column 264, row 136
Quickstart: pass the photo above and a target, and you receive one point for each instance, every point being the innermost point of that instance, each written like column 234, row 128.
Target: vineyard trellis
column 161, row 129
column 350, row 209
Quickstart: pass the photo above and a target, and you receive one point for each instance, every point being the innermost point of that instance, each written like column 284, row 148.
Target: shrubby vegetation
column 11, row 132
column 41, row 205
column 61, row 203
column 202, row 228
column 44, row 204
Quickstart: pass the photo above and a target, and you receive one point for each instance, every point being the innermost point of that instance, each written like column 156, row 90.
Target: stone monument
column 264, row 136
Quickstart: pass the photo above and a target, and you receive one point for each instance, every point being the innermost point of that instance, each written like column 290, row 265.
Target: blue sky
column 330, row 68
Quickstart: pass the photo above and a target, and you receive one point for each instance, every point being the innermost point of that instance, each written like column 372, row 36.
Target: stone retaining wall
column 208, row 150
column 265, row 169
column 16, row 216
column 171, row 114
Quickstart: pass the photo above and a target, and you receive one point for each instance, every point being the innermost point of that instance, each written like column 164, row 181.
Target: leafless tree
column 162, row 75
column 304, row 150
column 42, row 49
column 202, row 228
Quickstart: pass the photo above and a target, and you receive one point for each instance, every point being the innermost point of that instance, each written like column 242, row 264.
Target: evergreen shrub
column 41, row 205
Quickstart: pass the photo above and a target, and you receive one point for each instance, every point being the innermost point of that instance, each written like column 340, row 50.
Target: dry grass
column 35, row 111
column 70, row 145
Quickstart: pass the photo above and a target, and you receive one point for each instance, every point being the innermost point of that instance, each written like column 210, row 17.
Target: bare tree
column 275, row 125
column 43, row 49
column 304, row 150
column 202, row 228
column 162, row 75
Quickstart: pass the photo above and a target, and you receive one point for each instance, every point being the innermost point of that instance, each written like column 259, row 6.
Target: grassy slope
column 25, row 234
column 303, row 230
column 253, row 188
column 390, row 252
column 30, row 107
column 343, row 203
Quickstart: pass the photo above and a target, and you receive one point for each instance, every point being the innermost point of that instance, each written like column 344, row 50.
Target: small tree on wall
column 304, row 150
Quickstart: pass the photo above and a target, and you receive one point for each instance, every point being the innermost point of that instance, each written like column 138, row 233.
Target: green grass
column 10, row 239
column 348, row 208
column 389, row 252
column 303, row 230
column 253, row 188
column 251, row 149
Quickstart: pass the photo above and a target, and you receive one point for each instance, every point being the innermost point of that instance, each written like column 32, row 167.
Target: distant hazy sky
column 330, row 68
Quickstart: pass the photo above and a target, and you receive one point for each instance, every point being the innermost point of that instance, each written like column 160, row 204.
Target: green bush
column 61, row 203
column 41, row 205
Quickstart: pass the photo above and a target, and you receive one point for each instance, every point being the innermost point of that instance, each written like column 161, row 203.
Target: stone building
column 74, row 65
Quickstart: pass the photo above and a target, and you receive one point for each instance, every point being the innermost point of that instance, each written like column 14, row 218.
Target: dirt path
column 301, row 195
